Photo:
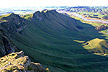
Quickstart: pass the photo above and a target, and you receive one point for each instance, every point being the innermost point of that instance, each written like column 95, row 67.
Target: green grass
column 27, row 16
column 57, row 48
column 4, row 16
column 56, row 42
column 91, row 14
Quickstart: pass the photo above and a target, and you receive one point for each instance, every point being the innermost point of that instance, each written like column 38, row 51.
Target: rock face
column 17, row 62
column 14, row 62
column 42, row 15
column 13, row 24
column 6, row 45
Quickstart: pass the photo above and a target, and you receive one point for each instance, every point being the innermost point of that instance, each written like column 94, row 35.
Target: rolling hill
column 59, row 42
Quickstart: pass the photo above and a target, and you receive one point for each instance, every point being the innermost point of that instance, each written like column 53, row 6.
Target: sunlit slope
column 49, row 38
column 99, row 46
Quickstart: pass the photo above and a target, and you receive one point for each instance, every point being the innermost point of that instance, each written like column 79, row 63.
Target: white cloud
column 25, row 3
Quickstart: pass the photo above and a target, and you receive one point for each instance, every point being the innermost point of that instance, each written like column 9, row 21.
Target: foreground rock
column 17, row 62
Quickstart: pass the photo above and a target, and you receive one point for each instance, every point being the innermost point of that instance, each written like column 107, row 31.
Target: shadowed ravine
column 48, row 38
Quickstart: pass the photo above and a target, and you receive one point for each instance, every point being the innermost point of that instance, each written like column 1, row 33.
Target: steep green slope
column 50, row 38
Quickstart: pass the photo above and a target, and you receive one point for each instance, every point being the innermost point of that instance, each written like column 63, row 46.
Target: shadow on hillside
column 77, row 58
column 45, row 44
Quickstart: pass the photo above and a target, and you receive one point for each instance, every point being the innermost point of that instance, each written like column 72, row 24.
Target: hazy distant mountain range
column 28, row 10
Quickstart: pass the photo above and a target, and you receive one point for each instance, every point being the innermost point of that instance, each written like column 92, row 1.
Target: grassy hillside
column 61, row 43
column 94, row 12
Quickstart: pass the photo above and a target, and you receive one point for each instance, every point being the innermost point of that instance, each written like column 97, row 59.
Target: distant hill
column 59, row 42
column 102, row 27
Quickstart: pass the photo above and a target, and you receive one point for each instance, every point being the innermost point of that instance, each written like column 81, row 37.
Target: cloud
column 28, row 3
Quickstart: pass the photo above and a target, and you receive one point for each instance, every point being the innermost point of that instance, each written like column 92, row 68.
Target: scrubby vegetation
column 17, row 62
column 28, row 16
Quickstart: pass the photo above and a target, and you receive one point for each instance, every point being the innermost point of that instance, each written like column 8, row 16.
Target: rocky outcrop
column 6, row 46
column 14, row 23
column 17, row 62
column 14, row 62
column 43, row 15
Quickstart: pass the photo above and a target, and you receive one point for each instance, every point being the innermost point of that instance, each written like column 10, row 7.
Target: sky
column 37, row 3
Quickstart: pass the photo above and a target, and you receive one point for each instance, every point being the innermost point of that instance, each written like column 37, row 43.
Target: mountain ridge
column 48, row 37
